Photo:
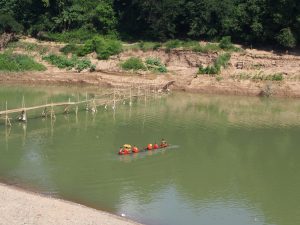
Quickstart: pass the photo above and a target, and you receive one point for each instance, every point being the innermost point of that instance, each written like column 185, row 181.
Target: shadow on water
column 234, row 160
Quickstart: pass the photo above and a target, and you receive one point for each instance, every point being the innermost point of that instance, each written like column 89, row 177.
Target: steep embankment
column 249, row 72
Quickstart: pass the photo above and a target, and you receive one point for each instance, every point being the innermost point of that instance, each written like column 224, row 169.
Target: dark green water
column 234, row 160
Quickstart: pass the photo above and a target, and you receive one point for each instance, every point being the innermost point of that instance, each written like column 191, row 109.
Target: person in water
column 135, row 149
column 163, row 143
column 155, row 146
column 149, row 147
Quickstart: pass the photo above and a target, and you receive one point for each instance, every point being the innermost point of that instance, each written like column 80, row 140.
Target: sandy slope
column 19, row 207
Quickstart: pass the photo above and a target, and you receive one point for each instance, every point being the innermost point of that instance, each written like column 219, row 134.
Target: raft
column 126, row 150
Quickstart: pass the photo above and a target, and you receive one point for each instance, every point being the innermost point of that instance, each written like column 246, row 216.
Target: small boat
column 127, row 149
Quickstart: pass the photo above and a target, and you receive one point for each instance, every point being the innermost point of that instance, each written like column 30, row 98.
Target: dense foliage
column 247, row 21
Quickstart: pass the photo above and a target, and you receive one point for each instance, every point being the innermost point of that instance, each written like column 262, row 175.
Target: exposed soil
column 236, row 79
column 20, row 207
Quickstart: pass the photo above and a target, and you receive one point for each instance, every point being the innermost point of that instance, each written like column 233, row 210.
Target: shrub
column 211, row 70
column 108, row 48
column 16, row 63
column 155, row 65
column 286, row 38
column 221, row 61
column 153, row 61
column 63, row 62
column 277, row 77
column 225, row 43
column 69, row 48
column 133, row 63
column 103, row 47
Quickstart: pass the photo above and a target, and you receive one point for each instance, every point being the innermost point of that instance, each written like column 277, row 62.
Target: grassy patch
column 271, row 77
column 259, row 77
column 146, row 46
column 74, row 36
column 133, row 63
column 17, row 63
column 220, row 61
column 64, row 62
column 29, row 47
column 206, row 48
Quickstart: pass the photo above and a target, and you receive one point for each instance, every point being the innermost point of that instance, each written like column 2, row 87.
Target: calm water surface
column 233, row 160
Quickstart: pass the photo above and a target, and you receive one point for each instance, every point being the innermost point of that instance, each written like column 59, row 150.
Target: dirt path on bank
column 20, row 207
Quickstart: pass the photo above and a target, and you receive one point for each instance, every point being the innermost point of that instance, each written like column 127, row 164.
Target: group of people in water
column 127, row 149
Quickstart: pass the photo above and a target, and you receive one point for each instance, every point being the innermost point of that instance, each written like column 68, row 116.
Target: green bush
column 69, row 48
column 108, row 48
column 286, row 38
column 16, row 63
column 225, row 43
column 155, row 64
column 63, row 62
column 277, row 77
column 221, row 61
column 133, row 63
column 103, row 47
column 211, row 70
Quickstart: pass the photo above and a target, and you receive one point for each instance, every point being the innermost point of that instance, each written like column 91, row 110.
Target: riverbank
column 249, row 72
column 200, row 84
column 22, row 207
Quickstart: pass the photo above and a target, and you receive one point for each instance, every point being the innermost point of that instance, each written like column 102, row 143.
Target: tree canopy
column 274, row 22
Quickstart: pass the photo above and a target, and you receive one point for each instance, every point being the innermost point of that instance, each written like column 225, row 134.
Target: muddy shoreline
column 187, row 83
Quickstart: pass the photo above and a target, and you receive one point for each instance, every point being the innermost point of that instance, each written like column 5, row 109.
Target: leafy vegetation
column 246, row 21
column 133, row 63
column 103, row 47
column 63, row 62
column 154, row 64
column 220, row 61
column 16, row 63
column 151, row 64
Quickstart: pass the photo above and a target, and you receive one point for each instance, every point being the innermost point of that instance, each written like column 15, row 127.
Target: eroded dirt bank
column 200, row 84
column 245, row 74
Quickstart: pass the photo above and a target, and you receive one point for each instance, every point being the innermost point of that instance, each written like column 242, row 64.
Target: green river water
column 233, row 160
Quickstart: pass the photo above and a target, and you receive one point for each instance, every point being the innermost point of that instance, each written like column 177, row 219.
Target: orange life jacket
column 135, row 149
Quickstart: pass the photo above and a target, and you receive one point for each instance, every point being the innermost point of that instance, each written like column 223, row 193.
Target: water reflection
column 235, row 159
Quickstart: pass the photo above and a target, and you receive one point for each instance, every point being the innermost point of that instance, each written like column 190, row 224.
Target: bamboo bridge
column 108, row 99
